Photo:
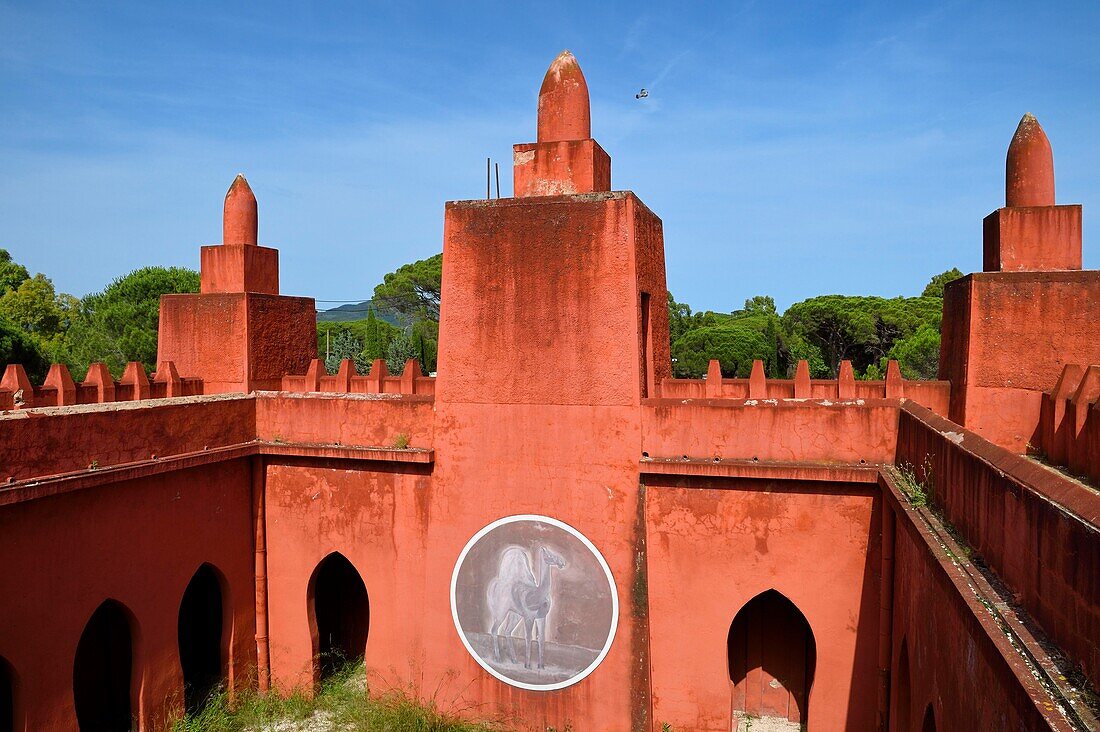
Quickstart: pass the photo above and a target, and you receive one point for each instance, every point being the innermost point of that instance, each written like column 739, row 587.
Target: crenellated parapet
column 932, row 394
column 347, row 381
column 1069, row 421
column 59, row 390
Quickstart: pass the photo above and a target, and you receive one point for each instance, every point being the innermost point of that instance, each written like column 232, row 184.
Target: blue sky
column 791, row 149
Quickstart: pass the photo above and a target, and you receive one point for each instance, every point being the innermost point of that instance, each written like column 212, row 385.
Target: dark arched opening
column 200, row 634
column 7, row 697
column 902, row 703
column 771, row 655
column 102, row 671
column 341, row 614
column 929, row 724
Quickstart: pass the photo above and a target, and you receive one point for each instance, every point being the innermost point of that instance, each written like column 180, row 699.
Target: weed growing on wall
column 919, row 488
column 342, row 703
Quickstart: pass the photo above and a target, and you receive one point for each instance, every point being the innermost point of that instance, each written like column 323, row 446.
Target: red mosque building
column 837, row 554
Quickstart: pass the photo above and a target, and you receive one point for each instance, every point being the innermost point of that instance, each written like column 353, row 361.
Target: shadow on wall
column 8, row 685
column 103, row 673
column 929, row 720
column 339, row 613
column 203, row 634
column 902, row 693
column 771, row 655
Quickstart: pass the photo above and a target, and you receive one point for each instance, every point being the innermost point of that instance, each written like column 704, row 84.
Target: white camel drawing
column 515, row 592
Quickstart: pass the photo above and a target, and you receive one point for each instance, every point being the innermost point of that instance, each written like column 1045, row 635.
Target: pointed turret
column 239, row 219
column 564, row 111
column 1029, row 167
column 565, row 160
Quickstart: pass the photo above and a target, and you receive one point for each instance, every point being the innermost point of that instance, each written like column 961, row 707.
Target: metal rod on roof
column 496, row 166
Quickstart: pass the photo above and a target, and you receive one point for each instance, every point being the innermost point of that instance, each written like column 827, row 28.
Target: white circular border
column 606, row 569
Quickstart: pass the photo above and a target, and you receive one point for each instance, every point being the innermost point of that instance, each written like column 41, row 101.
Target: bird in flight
column 642, row 94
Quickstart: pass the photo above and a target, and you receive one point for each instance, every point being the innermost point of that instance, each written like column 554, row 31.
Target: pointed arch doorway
column 771, row 655
column 339, row 614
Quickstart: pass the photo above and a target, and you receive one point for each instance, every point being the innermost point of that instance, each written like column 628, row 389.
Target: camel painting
column 515, row 592
column 540, row 575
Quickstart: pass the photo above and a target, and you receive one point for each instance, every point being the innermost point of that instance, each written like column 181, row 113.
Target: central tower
column 556, row 296
column 553, row 329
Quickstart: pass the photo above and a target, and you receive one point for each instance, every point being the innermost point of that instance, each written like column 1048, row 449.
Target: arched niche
column 771, row 659
column 339, row 612
column 929, row 724
column 903, row 705
column 203, row 636
column 103, row 670
column 8, row 688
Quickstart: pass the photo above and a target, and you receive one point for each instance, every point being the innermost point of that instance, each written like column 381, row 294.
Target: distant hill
column 356, row 311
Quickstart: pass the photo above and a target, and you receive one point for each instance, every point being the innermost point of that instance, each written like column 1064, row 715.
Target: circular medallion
column 534, row 602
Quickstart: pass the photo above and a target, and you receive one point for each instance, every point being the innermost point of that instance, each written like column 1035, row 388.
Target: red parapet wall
column 1069, row 422
column 347, row 381
column 794, row 431
column 368, row 420
column 1033, row 526
column 934, row 395
column 1006, row 338
column 96, row 437
column 947, row 654
column 59, row 390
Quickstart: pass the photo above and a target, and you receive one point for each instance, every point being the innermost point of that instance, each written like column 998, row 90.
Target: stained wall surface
column 138, row 543
column 712, row 546
column 942, row 656
column 1007, row 336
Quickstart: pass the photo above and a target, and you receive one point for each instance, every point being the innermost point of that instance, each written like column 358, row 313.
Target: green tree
column 918, row 356
column 680, row 319
column 373, row 345
column 758, row 305
column 12, row 273
column 735, row 346
column 761, row 314
column 935, row 286
column 328, row 331
column 400, row 350
column 18, row 346
column 861, row 329
column 36, row 307
column 413, row 290
column 346, row 345
column 799, row 350
column 120, row 324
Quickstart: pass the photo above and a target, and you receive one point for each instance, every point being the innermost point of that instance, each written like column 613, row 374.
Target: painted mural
column 534, row 602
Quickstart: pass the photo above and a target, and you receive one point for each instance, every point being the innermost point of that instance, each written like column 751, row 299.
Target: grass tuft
column 342, row 703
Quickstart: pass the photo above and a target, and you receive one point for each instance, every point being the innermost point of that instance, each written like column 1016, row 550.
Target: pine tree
column 374, row 345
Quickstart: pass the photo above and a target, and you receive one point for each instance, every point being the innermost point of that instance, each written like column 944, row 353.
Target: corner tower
column 1009, row 331
column 238, row 334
